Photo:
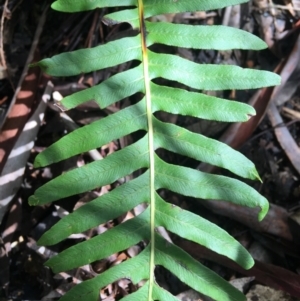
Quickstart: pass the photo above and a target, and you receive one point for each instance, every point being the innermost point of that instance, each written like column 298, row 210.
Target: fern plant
column 142, row 154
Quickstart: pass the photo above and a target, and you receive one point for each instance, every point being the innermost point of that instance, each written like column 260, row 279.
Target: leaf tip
column 255, row 176
column 249, row 263
column 262, row 45
column 276, row 79
column 263, row 211
column 41, row 64
column 57, row 5
column 42, row 241
column 48, row 263
column 38, row 162
column 33, row 200
column 251, row 112
column 259, row 178
column 249, row 116
column 54, row 5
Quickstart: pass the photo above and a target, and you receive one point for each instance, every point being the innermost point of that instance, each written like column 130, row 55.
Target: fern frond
column 142, row 153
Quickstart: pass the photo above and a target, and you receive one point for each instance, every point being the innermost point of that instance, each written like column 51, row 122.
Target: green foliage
column 142, row 153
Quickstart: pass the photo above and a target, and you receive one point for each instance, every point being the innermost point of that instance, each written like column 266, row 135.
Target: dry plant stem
column 271, row 5
column 62, row 31
column 16, row 6
column 226, row 17
column 291, row 113
column 285, row 138
column 249, row 218
column 276, row 6
column 2, row 54
column 89, row 40
column 273, row 128
column 29, row 60
column 76, row 32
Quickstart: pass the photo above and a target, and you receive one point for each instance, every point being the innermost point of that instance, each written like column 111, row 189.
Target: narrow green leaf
column 181, row 141
column 164, row 6
column 156, row 7
column 105, row 130
column 87, row 60
column 202, row 37
column 72, row 6
column 102, row 209
column 192, row 227
column 179, row 101
column 209, row 77
column 101, row 246
column 191, row 272
column 115, row 88
column 198, row 184
column 136, row 268
column 95, row 174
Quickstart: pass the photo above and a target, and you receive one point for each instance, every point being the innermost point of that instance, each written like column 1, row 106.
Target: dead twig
column 2, row 54
column 29, row 60
column 285, row 138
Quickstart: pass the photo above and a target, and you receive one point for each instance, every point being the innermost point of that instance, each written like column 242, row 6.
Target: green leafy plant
column 141, row 155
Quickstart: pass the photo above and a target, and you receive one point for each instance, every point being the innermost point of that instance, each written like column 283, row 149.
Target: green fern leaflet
column 142, row 153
